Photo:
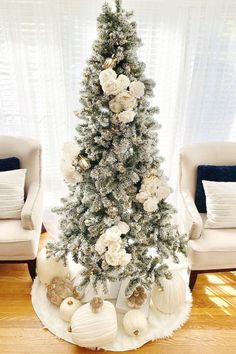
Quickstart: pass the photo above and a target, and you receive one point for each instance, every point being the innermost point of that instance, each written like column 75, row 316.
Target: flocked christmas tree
column 115, row 220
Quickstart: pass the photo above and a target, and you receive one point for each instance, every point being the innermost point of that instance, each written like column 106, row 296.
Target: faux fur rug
column 160, row 325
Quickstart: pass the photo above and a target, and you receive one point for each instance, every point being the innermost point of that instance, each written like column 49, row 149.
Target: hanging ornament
column 137, row 299
column 83, row 162
column 112, row 211
column 110, row 62
column 120, row 167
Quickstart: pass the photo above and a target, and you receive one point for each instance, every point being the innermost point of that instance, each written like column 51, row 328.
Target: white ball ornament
column 68, row 308
column 47, row 269
column 94, row 324
column 172, row 297
column 135, row 323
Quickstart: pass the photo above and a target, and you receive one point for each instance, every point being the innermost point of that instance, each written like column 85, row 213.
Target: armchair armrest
column 191, row 219
column 31, row 214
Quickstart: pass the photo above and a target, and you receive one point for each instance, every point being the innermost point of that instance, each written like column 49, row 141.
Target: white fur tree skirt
column 160, row 325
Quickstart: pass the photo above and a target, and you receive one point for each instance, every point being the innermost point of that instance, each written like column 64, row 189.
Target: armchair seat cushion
column 16, row 243
column 215, row 249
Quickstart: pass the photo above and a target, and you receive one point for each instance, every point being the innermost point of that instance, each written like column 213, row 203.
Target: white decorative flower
column 117, row 258
column 126, row 116
column 123, row 82
column 107, row 75
column 153, row 171
column 111, row 87
column 152, row 185
column 100, row 247
column 163, row 192
column 142, row 196
column 115, row 106
column 113, row 234
column 70, row 151
column 124, row 228
column 150, row 205
column 70, row 174
column 114, row 247
column 124, row 258
column 111, row 258
column 126, row 100
column 137, row 88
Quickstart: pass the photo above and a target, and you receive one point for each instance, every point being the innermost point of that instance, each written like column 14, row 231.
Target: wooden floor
column 211, row 328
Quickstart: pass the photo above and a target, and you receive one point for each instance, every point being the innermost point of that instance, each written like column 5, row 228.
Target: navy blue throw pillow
column 211, row 173
column 10, row 163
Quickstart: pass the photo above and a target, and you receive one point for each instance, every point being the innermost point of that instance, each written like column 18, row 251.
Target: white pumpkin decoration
column 47, row 269
column 93, row 328
column 172, row 298
column 68, row 308
column 135, row 323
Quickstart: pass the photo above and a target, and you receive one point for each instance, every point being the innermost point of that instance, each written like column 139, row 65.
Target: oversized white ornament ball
column 135, row 323
column 172, row 298
column 91, row 329
column 47, row 269
column 68, row 308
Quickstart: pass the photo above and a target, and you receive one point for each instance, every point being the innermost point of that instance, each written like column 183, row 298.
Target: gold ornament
column 121, row 167
column 112, row 211
column 83, row 163
column 110, row 62
column 138, row 297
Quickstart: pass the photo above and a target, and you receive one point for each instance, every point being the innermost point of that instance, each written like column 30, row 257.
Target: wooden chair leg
column 43, row 229
column 32, row 268
column 192, row 279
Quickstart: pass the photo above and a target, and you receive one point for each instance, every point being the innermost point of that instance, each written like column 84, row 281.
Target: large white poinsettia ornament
column 153, row 190
column 110, row 244
column 70, row 152
column 136, row 88
column 126, row 94
column 111, row 84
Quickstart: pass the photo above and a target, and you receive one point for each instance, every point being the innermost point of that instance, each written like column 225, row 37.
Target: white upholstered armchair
column 209, row 250
column 19, row 238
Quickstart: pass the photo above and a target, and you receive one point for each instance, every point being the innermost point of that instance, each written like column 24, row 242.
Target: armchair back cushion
column 10, row 163
column 191, row 156
column 211, row 173
column 12, row 193
column 28, row 152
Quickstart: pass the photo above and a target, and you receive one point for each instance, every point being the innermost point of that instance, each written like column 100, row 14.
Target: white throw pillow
column 12, row 184
column 221, row 204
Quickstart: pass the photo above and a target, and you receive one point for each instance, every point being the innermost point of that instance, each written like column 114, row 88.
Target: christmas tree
column 116, row 221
